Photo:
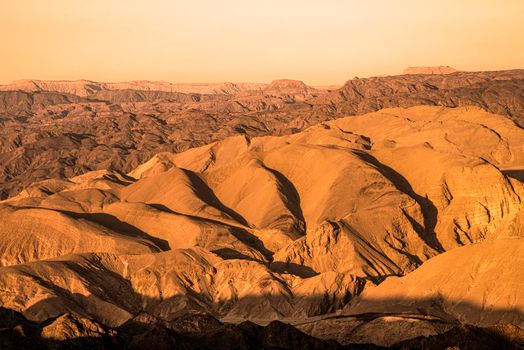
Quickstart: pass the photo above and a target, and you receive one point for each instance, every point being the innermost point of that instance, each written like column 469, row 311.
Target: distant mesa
column 86, row 88
column 288, row 86
column 430, row 70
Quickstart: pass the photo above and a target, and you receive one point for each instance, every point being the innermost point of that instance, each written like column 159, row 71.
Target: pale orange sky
column 320, row 42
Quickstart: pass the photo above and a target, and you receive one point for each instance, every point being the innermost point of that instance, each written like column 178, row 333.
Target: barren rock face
column 60, row 129
column 153, row 213
column 285, row 227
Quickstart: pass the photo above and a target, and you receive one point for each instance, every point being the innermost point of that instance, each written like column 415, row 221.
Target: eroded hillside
column 64, row 129
column 288, row 227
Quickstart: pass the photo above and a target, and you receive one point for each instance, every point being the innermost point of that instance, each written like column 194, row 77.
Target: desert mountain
column 86, row 88
column 288, row 227
column 64, row 129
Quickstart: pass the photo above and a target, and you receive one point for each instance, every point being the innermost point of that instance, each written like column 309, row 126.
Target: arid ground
column 387, row 212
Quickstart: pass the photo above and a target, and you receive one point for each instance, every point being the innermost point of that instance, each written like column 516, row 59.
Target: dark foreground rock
column 202, row 331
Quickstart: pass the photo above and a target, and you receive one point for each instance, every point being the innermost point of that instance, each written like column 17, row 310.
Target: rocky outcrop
column 413, row 331
column 202, row 331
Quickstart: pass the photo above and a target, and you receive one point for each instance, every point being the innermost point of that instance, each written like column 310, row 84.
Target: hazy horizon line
column 190, row 82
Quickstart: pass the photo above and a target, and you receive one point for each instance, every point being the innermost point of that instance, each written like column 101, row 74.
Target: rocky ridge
column 310, row 228
column 64, row 129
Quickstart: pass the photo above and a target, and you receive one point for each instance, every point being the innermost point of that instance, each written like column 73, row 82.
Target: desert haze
column 262, row 175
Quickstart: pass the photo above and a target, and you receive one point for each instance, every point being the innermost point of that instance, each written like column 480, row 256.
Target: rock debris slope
column 288, row 227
